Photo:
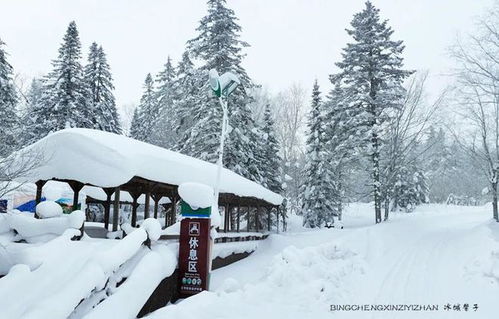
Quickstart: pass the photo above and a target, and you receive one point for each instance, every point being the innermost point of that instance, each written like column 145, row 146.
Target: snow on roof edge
column 106, row 159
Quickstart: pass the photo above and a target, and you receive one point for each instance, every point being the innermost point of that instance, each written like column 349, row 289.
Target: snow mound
column 152, row 228
column 230, row 285
column 48, row 209
column 41, row 230
column 4, row 224
column 196, row 195
column 299, row 283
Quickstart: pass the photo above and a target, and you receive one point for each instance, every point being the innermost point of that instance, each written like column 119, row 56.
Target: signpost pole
column 225, row 120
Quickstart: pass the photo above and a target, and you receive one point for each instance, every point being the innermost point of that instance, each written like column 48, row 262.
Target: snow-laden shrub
column 48, row 209
column 152, row 228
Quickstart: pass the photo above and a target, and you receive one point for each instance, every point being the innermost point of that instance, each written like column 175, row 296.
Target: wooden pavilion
column 115, row 163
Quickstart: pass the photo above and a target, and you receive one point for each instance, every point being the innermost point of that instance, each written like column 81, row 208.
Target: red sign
column 193, row 255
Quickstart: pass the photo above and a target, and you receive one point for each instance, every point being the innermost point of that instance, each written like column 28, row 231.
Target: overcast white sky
column 291, row 40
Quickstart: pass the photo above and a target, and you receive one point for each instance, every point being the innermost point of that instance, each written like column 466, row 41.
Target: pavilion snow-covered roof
column 109, row 160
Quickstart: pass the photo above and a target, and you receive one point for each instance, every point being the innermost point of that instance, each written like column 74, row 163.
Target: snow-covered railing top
column 109, row 160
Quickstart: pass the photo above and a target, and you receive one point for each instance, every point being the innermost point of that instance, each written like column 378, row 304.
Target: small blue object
column 29, row 206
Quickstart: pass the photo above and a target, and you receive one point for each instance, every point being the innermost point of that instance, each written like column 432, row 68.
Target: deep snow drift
column 438, row 255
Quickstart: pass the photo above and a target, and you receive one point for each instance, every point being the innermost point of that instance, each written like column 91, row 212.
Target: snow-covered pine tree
column 144, row 116
column 219, row 47
column 191, row 92
column 410, row 188
column 437, row 159
column 316, row 202
column 32, row 128
column 65, row 95
column 371, row 71
column 342, row 141
column 8, row 103
column 99, row 81
column 271, row 159
column 164, row 133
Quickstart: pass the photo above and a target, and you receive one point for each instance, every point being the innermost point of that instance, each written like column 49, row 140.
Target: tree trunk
column 376, row 177
column 494, row 201
column 387, row 208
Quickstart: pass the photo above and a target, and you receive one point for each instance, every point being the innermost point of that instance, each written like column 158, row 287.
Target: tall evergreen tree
column 65, row 94
column 372, row 73
column 33, row 129
column 342, row 141
column 190, row 91
column 8, row 102
column 144, row 117
column 219, row 47
column 316, row 202
column 271, row 159
column 164, row 133
column 410, row 188
column 99, row 81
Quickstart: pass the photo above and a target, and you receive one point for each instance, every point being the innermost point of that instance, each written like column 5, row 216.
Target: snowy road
column 439, row 255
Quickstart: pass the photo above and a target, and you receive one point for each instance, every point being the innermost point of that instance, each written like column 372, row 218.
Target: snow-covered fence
column 237, row 237
column 65, row 279
column 33, row 230
column 226, row 237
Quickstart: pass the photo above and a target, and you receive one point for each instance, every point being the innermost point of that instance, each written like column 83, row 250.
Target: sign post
column 194, row 255
column 194, row 260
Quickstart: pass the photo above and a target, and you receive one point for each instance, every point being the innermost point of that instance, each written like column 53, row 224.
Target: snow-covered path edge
column 438, row 255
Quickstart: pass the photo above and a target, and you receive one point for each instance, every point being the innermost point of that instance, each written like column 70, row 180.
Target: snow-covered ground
column 437, row 255
column 51, row 279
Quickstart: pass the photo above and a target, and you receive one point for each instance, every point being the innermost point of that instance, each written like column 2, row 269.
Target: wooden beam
column 116, row 208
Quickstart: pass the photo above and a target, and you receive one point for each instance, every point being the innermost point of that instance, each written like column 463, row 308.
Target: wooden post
column 167, row 214
column 257, row 228
column 248, row 220
column 230, row 227
column 174, row 210
column 146, row 204
column 76, row 187
column 226, row 218
column 135, row 205
column 156, row 199
column 269, row 210
column 277, row 220
column 39, row 189
column 116, row 208
column 107, row 206
column 238, row 217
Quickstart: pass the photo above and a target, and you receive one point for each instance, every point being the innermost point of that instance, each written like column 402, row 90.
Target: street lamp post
column 222, row 86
